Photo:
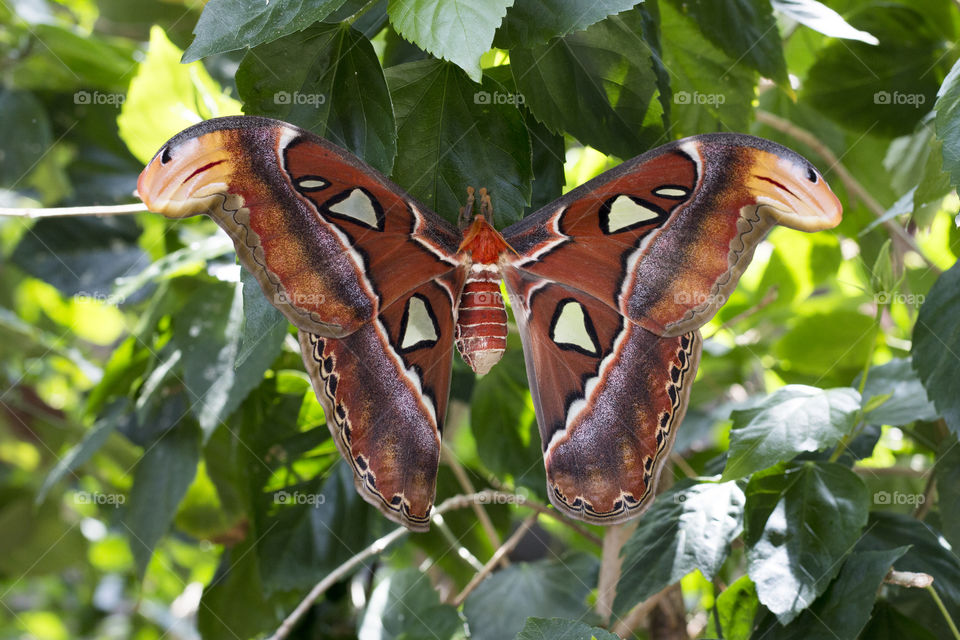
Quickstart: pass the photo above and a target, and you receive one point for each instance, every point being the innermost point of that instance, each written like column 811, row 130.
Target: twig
column 891, row 471
column 909, row 579
column 55, row 212
column 501, row 552
column 462, row 552
column 852, row 184
column 610, row 566
column 378, row 546
column 768, row 297
column 924, row 507
column 943, row 611
column 332, row 578
column 683, row 465
column 636, row 616
column 464, row 480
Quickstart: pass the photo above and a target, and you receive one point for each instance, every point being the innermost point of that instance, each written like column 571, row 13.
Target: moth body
column 481, row 330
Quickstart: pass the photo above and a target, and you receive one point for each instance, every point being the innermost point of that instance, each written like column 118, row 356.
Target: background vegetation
column 165, row 471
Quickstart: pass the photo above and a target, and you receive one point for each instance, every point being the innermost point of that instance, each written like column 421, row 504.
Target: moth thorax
column 481, row 333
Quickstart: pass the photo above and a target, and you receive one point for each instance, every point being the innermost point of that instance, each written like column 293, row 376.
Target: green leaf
column 208, row 331
column 711, row 92
column 886, row 88
column 947, row 475
column 405, row 606
column 326, row 79
column 936, row 343
column 837, row 339
column 948, row 122
column 160, row 481
column 264, row 327
column 25, row 137
column 499, row 607
column 166, row 97
column 554, row 628
column 228, row 25
column 82, row 256
column 65, row 59
column 907, row 399
column 38, row 540
column 793, row 419
column 453, row 134
column 934, row 186
column 844, row 608
column 504, row 425
column 819, row 17
column 93, row 439
column 745, row 30
column 233, row 604
column 456, row 30
column 549, row 155
column 531, row 22
column 687, row 528
column 606, row 71
column 928, row 553
column 737, row 609
column 312, row 527
column 801, row 519
column 887, row 623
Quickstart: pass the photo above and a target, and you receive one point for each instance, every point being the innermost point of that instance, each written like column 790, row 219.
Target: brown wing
column 330, row 240
column 664, row 238
column 608, row 394
column 384, row 390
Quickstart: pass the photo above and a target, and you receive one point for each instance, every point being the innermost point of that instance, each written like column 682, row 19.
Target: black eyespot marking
column 811, row 175
column 165, row 155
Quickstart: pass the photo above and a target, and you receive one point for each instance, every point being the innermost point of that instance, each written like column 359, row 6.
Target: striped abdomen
column 482, row 320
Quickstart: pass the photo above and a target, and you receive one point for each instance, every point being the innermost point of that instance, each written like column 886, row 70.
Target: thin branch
column 482, row 516
column 500, row 553
column 462, row 552
column 683, row 465
column 610, row 566
column 768, row 298
column 943, row 611
column 852, row 184
column 379, row 546
column 55, row 212
column 626, row 626
column 332, row 578
column 906, row 472
column 924, row 507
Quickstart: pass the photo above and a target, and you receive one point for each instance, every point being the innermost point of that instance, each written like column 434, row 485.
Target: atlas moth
column 609, row 285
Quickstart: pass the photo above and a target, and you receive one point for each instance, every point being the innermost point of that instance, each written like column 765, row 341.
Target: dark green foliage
column 158, row 436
